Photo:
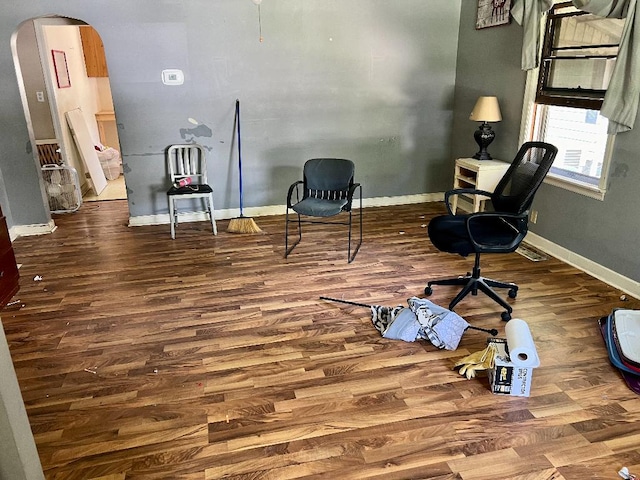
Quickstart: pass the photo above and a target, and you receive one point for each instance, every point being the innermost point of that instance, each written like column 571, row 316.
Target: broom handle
column 239, row 151
column 490, row 331
column 345, row 301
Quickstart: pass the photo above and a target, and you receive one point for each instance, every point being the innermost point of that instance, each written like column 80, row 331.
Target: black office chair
column 327, row 190
column 498, row 231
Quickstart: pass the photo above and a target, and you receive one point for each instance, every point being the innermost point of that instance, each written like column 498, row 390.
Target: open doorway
column 62, row 68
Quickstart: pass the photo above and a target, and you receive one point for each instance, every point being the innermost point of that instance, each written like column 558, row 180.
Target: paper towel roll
column 522, row 350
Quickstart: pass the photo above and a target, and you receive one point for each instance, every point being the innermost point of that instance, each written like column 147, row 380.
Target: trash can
column 110, row 162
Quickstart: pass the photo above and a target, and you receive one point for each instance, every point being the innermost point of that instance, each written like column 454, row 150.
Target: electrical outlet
column 533, row 216
column 40, row 96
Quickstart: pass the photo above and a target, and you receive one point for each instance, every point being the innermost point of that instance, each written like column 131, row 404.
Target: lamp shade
column 486, row 110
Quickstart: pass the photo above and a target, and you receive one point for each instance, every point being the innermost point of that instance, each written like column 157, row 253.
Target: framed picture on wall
column 60, row 66
column 492, row 13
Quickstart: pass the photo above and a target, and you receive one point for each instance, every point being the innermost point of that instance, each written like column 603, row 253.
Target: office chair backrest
column 327, row 175
column 514, row 192
column 187, row 161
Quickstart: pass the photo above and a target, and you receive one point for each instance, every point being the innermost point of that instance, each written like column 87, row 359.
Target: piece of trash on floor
column 89, row 370
column 401, row 232
column 624, row 473
column 424, row 225
column 421, row 320
column 13, row 303
column 37, row 278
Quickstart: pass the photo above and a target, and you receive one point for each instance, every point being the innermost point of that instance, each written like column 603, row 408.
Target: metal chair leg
column 213, row 220
column 287, row 249
column 172, row 217
column 350, row 257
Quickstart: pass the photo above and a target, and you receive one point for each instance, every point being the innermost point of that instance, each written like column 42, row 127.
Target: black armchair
column 327, row 188
column 498, row 231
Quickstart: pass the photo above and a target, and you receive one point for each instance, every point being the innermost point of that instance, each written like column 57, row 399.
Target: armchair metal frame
column 319, row 195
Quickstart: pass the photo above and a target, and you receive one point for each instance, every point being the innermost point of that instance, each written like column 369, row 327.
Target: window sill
column 575, row 187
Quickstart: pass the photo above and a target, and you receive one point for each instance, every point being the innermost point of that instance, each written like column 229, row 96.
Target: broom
column 241, row 224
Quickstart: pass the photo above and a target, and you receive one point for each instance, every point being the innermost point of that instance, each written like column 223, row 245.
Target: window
column 565, row 94
column 579, row 51
column 581, row 138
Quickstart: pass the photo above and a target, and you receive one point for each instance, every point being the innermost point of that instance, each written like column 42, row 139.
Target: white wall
column 83, row 92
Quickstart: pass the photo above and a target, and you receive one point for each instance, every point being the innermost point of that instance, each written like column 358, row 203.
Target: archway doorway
column 62, row 68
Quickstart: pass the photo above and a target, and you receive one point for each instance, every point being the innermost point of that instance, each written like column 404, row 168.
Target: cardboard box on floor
column 506, row 378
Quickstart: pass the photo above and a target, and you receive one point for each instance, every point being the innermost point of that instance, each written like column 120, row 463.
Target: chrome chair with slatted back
column 187, row 166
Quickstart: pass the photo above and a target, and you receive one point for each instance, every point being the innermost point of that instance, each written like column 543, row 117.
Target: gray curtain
column 621, row 101
column 528, row 13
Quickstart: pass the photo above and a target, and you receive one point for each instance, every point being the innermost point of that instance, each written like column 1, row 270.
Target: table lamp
column 485, row 110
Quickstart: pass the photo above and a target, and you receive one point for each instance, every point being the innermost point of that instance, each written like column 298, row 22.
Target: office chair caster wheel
column 506, row 316
column 513, row 293
column 428, row 290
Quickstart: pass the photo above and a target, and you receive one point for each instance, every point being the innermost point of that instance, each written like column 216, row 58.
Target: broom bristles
column 243, row 225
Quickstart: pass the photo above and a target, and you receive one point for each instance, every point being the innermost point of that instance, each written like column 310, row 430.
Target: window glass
column 578, row 57
column 581, row 138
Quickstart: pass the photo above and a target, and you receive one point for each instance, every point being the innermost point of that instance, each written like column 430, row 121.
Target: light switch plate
column 172, row 76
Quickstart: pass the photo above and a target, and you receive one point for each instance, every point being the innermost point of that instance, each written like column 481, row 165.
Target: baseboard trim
column 269, row 210
column 29, row 230
column 627, row 285
column 401, row 200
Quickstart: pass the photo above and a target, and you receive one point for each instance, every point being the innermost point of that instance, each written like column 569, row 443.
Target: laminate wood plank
column 142, row 357
column 505, row 463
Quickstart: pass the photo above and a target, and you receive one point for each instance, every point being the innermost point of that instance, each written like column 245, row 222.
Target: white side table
column 478, row 174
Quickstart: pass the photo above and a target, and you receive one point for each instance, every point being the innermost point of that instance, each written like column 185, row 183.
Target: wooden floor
column 210, row 357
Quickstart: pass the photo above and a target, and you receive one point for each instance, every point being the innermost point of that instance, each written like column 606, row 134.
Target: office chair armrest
column 292, row 187
column 515, row 241
column 352, row 189
column 462, row 191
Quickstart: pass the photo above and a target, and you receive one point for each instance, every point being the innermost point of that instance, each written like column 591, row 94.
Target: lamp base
column 484, row 135
column 482, row 156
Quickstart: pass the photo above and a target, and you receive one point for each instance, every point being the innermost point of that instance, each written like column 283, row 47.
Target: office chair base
column 471, row 283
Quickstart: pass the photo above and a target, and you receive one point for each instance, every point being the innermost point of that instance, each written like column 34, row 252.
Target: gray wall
column 605, row 232
column 369, row 80
column 488, row 64
column 33, row 76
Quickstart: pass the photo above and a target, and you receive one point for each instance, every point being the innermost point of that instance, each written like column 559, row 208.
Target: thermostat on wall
column 172, row 77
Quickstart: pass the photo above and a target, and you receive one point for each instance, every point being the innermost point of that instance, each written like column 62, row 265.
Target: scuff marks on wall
column 190, row 134
column 620, row 170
